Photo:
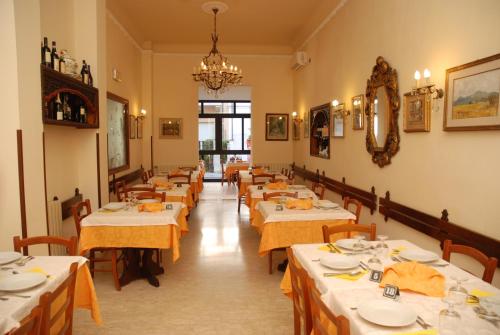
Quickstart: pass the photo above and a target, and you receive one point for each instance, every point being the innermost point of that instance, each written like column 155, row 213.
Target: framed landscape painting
column 276, row 127
column 170, row 128
column 472, row 94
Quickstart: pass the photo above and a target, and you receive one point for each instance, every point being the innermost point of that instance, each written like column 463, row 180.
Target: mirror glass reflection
column 381, row 116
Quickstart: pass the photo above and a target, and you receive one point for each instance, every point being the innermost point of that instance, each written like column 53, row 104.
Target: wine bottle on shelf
column 46, row 53
column 83, row 114
column 54, row 57
column 84, row 72
column 62, row 64
column 59, row 111
column 67, row 108
column 90, row 80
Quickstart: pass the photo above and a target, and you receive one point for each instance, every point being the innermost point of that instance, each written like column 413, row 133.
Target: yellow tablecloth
column 161, row 237
column 230, row 169
column 186, row 200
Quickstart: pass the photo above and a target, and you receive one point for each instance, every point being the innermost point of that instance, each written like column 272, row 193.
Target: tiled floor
column 219, row 286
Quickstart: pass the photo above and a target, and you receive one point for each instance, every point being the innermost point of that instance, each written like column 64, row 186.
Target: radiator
column 55, row 226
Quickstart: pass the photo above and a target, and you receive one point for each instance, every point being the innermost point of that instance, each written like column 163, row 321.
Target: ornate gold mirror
column 382, row 108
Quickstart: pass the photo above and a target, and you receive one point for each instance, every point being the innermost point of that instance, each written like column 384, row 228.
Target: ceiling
column 274, row 25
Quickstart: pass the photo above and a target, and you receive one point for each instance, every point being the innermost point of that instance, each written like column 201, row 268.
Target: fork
column 395, row 259
column 332, row 274
column 7, row 294
column 23, row 261
column 422, row 323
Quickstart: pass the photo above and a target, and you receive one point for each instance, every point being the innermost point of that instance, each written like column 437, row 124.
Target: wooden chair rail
column 68, row 203
column 439, row 228
column 367, row 198
column 127, row 178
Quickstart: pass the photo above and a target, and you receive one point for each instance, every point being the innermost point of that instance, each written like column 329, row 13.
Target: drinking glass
column 358, row 245
column 374, row 262
column 382, row 247
column 458, row 284
column 449, row 319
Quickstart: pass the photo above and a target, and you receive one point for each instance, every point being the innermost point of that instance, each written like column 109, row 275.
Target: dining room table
column 196, row 182
column 362, row 301
column 246, row 179
column 232, row 167
column 46, row 273
column 174, row 192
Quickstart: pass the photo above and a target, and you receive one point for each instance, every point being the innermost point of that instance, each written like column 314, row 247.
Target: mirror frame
column 125, row 134
column 383, row 75
column 325, row 109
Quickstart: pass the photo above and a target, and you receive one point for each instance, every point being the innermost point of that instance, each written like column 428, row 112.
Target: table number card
column 179, row 185
column 260, row 188
column 279, row 208
column 376, row 276
column 169, row 206
column 391, row 292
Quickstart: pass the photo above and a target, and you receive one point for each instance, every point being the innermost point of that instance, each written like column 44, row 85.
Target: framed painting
column 170, row 128
column 358, row 115
column 319, row 143
column 139, row 127
column 296, row 130
column 416, row 116
column 276, row 127
column 132, row 123
column 338, row 123
column 118, row 133
column 306, row 125
column 471, row 96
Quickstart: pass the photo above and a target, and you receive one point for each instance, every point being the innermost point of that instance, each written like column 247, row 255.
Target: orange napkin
column 257, row 171
column 277, row 186
column 151, row 207
column 415, row 277
column 299, row 204
column 164, row 184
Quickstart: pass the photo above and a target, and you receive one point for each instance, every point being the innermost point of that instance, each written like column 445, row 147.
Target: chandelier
column 214, row 72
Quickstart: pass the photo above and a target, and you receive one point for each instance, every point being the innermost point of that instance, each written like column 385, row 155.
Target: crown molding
column 124, row 30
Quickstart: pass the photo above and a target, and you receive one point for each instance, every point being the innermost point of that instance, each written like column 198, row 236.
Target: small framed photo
column 471, row 96
column 358, row 115
column 139, row 127
column 296, row 130
column 132, row 124
column 338, row 123
column 276, row 127
column 170, row 128
column 416, row 115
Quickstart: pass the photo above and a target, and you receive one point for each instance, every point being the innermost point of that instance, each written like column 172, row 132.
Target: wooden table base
column 134, row 270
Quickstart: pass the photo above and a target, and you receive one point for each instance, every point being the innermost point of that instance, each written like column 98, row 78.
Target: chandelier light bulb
column 294, row 114
column 417, row 75
column 335, row 103
column 427, row 74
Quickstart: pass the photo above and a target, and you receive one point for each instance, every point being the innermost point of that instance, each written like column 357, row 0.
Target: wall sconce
column 295, row 118
column 339, row 108
column 428, row 87
column 142, row 115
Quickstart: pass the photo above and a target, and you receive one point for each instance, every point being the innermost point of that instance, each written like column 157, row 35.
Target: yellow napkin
column 257, row 171
column 325, row 248
column 397, row 250
column 350, row 277
column 421, row 332
column 164, row 184
column 277, row 186
column 299, row 204
column 416, row 277
column 40, row 270
column 151, row 207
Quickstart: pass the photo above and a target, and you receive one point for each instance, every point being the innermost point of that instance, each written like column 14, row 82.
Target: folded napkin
column 416, row 277
column 277, row 186
column 257, row 171
column 299, row 204
column 326, row 248
column 151, row 207
column 346, row 276
column 164, row 184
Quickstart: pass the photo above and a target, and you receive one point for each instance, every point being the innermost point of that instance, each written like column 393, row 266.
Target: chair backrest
column 119, row 186
column 348, row 228
column 151, row 195
column 324, row 322
column 61, row 310
column 263, row 178
column 284, row 171
column 256, row 167
column 31, row 324
column 76, row 209
column 319, row 190
column 137, row 189
column 145, row 177
column 351, row 201
column 489, row 263
column 150, row 174
column 271, row 195
column 300, row 296
column 187, row 168
column 181, row 178
column 71, row 244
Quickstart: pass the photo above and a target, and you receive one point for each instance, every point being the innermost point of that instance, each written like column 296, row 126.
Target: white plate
column 387, row 313
column 114, row 206
column 339, row 262
column 22, row 281
column 422, row 256
column 9, row 257
column 148, row 201
column 347, row 243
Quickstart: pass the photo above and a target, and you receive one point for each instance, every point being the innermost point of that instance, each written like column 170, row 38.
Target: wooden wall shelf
column 54, row 83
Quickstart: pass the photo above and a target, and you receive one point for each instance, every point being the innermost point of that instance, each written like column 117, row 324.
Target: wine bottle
column 59, row 111
column 83, row 115
column 84, row 72
column 67, row 109
column 54, row 57
column 45, row 53
column 90, row 80
column 62, row 64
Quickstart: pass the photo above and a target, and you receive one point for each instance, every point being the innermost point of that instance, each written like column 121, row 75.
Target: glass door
column 224, row 132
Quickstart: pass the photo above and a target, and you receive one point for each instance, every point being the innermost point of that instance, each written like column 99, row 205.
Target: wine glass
column 382, row 247
column 449, row 319
column 374, row 262
column 458, row 284
column 358, row 245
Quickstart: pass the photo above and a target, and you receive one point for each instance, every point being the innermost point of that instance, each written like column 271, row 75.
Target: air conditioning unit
column 300, row 59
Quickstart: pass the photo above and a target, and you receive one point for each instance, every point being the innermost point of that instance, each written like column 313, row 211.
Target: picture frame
column 132, row 123
column 416, row 113
column 277, row 127
column 118, row 127
column 471, row 99
column 338, row 124
column 319, row 142
column 358, row 112
column 140, row 122
column 170, row 128
column 306, row 125
column 296, row 130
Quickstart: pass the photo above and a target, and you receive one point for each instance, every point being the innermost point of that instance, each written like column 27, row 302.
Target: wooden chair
column 223, row 177
column 324, row 322
column 124, row 193
column 54, row 312
column 145, row 177
column 284, row 171
column 78, row 217
column 241, row 197
column 263, row 178
column 151, row 195
column 31, row 324
column 256, row 167
column 291, row 177
column 150, row 174
column 300, row 296
column 273, row 195
column 348, row 228
column 119, row 189
column 351, row 201
column 187, row 168
column 180, row 178
column 489, row 263
column 70, row 244
column 319, row 190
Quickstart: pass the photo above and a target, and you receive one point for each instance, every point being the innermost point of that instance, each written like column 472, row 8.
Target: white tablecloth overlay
column 15, row 309
column 270, row 214
column 340, row 295
column 303, row 193
column 132, row 217
column 174, row 191
column 246, row 177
